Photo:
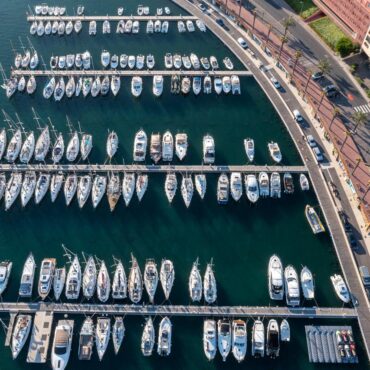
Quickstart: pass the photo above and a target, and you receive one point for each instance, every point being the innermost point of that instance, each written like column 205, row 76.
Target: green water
column 239, row 237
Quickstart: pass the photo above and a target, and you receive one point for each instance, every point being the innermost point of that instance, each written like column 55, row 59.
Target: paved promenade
column 101, row 18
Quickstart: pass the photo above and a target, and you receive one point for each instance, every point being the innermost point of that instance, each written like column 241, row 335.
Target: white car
column 275, row 82
column 242, row 43
column 311, row 141
column 297, row 115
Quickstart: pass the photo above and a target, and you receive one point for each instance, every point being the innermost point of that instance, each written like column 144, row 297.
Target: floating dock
column 102, row 18
column 9, row 331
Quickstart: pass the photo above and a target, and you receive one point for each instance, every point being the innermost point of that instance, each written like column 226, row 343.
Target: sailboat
column 5, row 270
column 28, row 187
column 89, row 278
column 118, row 333
column 102, row 335
column 42, row 186
column 167, row 277
column 170, row 186
column 187, row 190
column 73, row 282
column 58, row 149
column 70, row 188
column 103, row 283
column 83, row 190
column 151, row 278
column 98, row 189
column 28, row 148
column 28, row 274
column 128, row 187
column 42, row 145
column 3, row 142
column 73, row 147
column 112, row 144
column 113, row 191
column 119, row 284
column 14, row 147
column 13, row 188
column 195, row 283
column 20, row 334
column 55, row 185
column 201, row 185
column 209, row 285
column 148, row 338
column 135, row 282
column 59, row 281
column 141, row 185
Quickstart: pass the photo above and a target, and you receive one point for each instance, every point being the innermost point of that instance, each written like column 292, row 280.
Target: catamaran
column 164, row 337
column 275, row 278
column 167, row 277
column 103, row 283
column 135, row 282
column 47, row 271
column 20, row 334
column 73, row 282
column 209, row 339
column 28, row 273
column 118, row 333
column 151, row 278
column 148, row 338
column 119, row 285
column 195, row 283
column 89, row 278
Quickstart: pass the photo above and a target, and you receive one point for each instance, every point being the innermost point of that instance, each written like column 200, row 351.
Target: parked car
column 275, row 82
column 365, row 275
column 311, row 141
column 318, row 154
column 297, row 115
column 220, row 22
column 330, row 91
column 352, row 240
column 317, row 75
column 242, row 43
column 344, row 219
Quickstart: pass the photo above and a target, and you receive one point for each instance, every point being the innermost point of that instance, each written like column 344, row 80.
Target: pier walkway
column 101, row 18
column 180, row 310
column 165, row 168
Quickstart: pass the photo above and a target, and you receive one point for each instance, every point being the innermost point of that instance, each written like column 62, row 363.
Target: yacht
column 284, row 331
column 14, row 147
column 168, row 61
column 118, row 333
column 157, row 85
column 307, row 283
column 197, row 85
column 170, row 186
column 209, row 339
column 49, row 88
column 194, row 61
column 102, row 335
column 141, row 185
column 167, row 277
column 275, row 152
column 69, row 28
column 89, row 278
column 123, row 61
column 303, row 182
column 112, row 144
column 42, row 186
column 114, row 61
column 236, row 185
column 275, row 185
column 105, row 58
column 86, row 146
column 150, row 26
column 13, row 188
column 56, row 183
column 28, row 274
column 20, row 334
column 47, row 271
column 73, row 281
column 148, row 338
column 209, row 285
column 167, row 146
column 164, row 337
column 92, row 28
column 113, row 191
column 70, row 60
column 136, row 86
column 291, row 284
column 128, row 26
column 340, row 288
column 83, row 190
column 205, row 63
column 106, row 27
column 201, row 185
column 77, row 26
column 135, row 282
column 140, row 61
column 3, row 142
column 272, row 339
column 119, row 284
column 62, row 62
column 135, row 27
column 185, row 85
column 31, row 85
column 258, row 339
column 275, row 278
column 217, row 82
column 177, row 63
column 207, row 85
column 181, row 145
column 86, row 342
column 131, row 61
column 186, row 61
column 42, row 145
column 62, row 344
column 288, row 183
column 140, row 145
column 151, row 279
column 103, row 283
column 195, row 283
column 95, row 87
column 5, row 270
column 70, row 188
column 264, row 184
column 187, row 190
column 59, row 89
column 73, row 147
column 228, row 63
column 239, row 340
column 223, row 189
column 251, row 186
column 59, row 281
column 249, row 148
column 150, row 61
column 155, row 148
column 99, row 188
column 224, row 338
column 208, row 149
column 214, row 62
column 86, row 60
column 28, row 187
column 115, row 85
column 314, row 220
column 181, row 26
column 128, row 187
column 235, row 85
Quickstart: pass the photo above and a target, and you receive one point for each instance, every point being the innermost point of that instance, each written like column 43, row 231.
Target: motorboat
column 70, row 60
column 114, row 61
column 197, row 85
column 284, row 331
column 83, row 190
column 120, row 26
column 236, row 185
column 251, row 187
column 140, row 61
column 102, row 335
column 303, row 182
column 112, row 144
column 209, row 285
column 275, row 278
column 155, row 148
column 141, row 185
column 86, row 146
column 73, row 147
column 59, row 89
column 135, row 27
column 249, row 148
column 27, row 278
column 185, row 85
column 275, row 185
column 106, row 27
column 115, row 84
column 167, row 10
column 73, row 281
column 201, row 185
column 49, row 88
column 77, row 26
column 159, row 11
column 128, row 26
column 151, row 279
column 105, row 58
column 128, row 187
column 239, row 340
column 181, row 145
column 205, row 63
column 62, row 62
column 214, row 62
column 157, row 85
column 223, row 189
column 340, row 288
column 217, row 82
column 123, row 60
column 56, row 183
column 140, row 145
column 207, row 85
column 13, row 188
column 20, row 333
column 194, row 61
column 92, row 28
column 136, row 86
column 59, row 281
column 208, row 149
column 168, row 61
column 167, row 277
column 120, row 10
column 5, row 270
column 86, row 60
column 140, row 10
column 167, row 147
column 190, row 26
column 70, row 87
column 186, row 61
column 170, row 186
column 14, row 147
column 165, row 26
column 150, row 61
column 291, row 286
column 272, row 339
column 274, row 151
column 62, row 344
column 209, row 339
column 135, row 282
column 150, row 26
column 235, row 85
column 307, row 283
column 28, row 187
column 187, row 190
column 224, row 338
column 103, row 283
column 118, row 333
column 113, row 191
column 69, row 28
column 258, row 339
column 164, row 337
column 177, row 63
column 31, row 85
column 70, row 188
column 314, row 220
column 157, row 26
column 181, row 26
column 119, row 284
column 42, row 186
column 288, row 183
column 131, row 61
column 264, row 184
column 105, row 84
column 228, row 63
column 47, row 271
column 99, row 188
column 86, row 342
column 148, row 338
column 95, row 87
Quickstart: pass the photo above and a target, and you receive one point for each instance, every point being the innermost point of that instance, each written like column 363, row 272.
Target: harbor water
column 240, row 237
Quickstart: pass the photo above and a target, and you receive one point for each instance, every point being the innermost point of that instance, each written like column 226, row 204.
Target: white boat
column 73, row 281
column 190, row 26
column 249, row 149
column 167, row 277
column 164, row 337
column 102, row 336
column 95, row 87
column 236, row 185
column 120, row 26
column 201, row 185
column 73, row 147
column 141, row 185
column 118, row 333
column 159, row 11
column 135, row 27
column 86, row 60
column 208, row 149
column 28, row 187
column 214, row 62
column 258, row 339
column 195, row 283
column 131, row 61
column 3, row 142
column 181, row 145
column 20, row 334
column 26, row 59
column 21, row 84
column 59, row 281
column 28, row 274
column 251, row 187
column 112, row 144
column 207, row 85
column 314, row 220
column 167, row 146
column 223, row 189
column 120, row 11
column 303, row 182
column 54, row 27
column 274, row 151
column 140, row 61
column 291, row 286
column 113, row 191
column 115, row 84
column 135, row 282
column 288, row 183
column 34, row 61
column 239, row 340
column 105, row 58
column 128, row 187
column 228, row 63
column 106, row 27
column 148, row 338
column 77, row 26
column 209, row 285
column 40, row 28
column 83, row 190
column 14, row 147
column 69, row 28
column 155, row 147
column 150, row 61
column 59, row 89
column 103, row 284
column 92, row 28
column 62, row 344
column 47, row 271
column 235, row 85
column 70, row 60
column 209, row 339
column 226, row 84
column 128, row 26
column 284, row 331
column 13, row 188
column 170, row 186
column 99, row 188
column 197, row 85
column 62, row 62
column 157, row 26
column 185, row 85
column 119, row 284
column 70, row 87
column 70, row 188
column 194, row 61
column 11, row 87
column 114, row 61
column 307, row 283
column 5, row 270
column 2, row 185
column 264, row 184
column 79, row 86
column 140, row 144
column 150, row 26
column 157, row 85
column 86, row 342
column 181, row 26
column 123, row 60
column 186, row 61
column 89, row 278
column 31, row 85
column 165, row 26
column 272, row 339
column 168, row 61
column 136, row 86
column 42, row 186
column 33, row 29
column 275, row 274
column 151, row 279
column 224, row 338
column 340, row 288
column 187, row 190
column 217, row 82
column 275, row 185
column 56, row 183
column 86, row 146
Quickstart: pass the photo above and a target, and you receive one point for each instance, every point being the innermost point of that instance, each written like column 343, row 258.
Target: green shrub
column 353, row 67
column 367, row 92
column 344, row 46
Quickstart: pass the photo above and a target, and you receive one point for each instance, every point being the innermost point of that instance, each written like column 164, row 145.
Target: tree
column 344, row 46
column 297, row 55
column 324, row 66
column 287, row 23
column 254, row 19
column 358, row 161
column 309, row 74
column 336, row 112
column 283, row 40
column 360, row 119
column 268, row 36
column 348, row 134
column 320, row 103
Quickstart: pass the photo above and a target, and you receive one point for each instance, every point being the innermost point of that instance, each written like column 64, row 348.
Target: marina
column 102, row 18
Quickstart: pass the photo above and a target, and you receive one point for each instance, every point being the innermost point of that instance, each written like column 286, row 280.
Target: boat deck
column 101, row 18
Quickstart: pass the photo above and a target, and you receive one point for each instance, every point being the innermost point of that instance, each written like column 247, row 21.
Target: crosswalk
column 362, row 108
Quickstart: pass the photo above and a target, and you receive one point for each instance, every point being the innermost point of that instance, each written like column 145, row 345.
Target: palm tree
column 283, row 39
column 358, row 161
column 268, row 36
column 321, row 100
column 287, row 23
column 254, row 19
column 324, row 66
column 309, row 74
column 297, row 55
column 360, row 119
column 336, row 112
column 348, row 134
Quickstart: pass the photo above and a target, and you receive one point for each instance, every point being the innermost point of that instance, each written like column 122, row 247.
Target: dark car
column 317, row 75
column 220, row 22
column 344, row 219
column 202, row 7
column 352, row 240
column 330, row 91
